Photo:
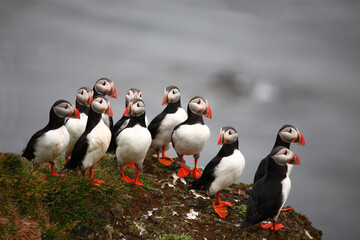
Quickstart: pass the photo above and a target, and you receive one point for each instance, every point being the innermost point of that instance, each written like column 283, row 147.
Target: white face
column 173, row 95
column 103, row 86
column 198, row 106
column 132, row 93
column 229, row 136
column 288, row 134
column 63, row 109
column 137, row 108
column 100, row 105
column 84, row 97
column 283, row 156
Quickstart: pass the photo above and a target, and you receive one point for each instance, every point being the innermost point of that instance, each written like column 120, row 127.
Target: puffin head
column 290, row 133
column 135, row 108
column 228, row 135
column 105, row 86
column 102, row 105
column 171, row 95
column 63, row 109
column 84, row 96
column 132, row 93
column 200, row 106
column 283, row 155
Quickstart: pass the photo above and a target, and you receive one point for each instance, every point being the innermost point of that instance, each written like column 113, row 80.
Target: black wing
column 115, row 130
column 207, row 177
column 155, row 123
column 29, row 151
column 262, row 169
column 78, row 153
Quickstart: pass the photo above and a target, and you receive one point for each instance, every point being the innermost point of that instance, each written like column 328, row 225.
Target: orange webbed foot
column 127, row 179
column 221, row 210
column 196, row 173
column 183, row 172
column 287, row 209
column 165, row 161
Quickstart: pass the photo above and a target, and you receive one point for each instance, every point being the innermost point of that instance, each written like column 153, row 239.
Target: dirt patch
column 170, row 208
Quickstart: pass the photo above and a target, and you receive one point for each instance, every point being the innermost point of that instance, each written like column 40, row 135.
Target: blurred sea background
column 259, row 63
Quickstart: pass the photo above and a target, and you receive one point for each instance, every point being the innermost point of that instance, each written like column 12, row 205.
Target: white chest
column 98, row 140
column 51, row 145
column 132, row 144
column 190, row 139
column 167, row 126
column 227, row 171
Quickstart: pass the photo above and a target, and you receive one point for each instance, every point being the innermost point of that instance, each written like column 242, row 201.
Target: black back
column 115, row 130
column 155, row 123
column 204, row 182
column 82, row 144
column 263, row 166
column 55, row 122
column 266, row 196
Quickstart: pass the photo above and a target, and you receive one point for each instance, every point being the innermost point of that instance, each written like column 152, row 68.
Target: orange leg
column 166, row 160
column 162, row 160
column 184, row 171
column 221, row 202
column 136, row 180
column 266, row 226
column 219, row 209
column 125, row 178
column 66, row 158
column 53, row 174
column 95, row 181
column 286, row 209
column 196, row 172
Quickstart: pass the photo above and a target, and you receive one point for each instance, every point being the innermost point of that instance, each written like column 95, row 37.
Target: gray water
column 259, row 63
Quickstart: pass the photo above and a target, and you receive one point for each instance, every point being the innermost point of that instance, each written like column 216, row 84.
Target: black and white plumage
column 95, row 140
column 223, row 170
column 48, row 143
column 285, row 136
column 105, row 87
column 190, row 136
column 124, row 120
column 134, row 140
column 271, row 191
column 162, row 126
column 74, row 126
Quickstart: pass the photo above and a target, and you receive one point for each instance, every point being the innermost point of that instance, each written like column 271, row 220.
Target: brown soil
column 170, row 208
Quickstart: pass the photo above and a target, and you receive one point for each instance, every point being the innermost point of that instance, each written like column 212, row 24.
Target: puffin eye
column 199, row 102
column 138, row 105
column 290, row 130
column 104, row 83
column 230, row 132
column 173, row 91
column 66, row 106
column 140, row 95
column 101, row 101
column 286, row 152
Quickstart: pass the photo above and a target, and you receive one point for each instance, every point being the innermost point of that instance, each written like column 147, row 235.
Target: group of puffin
column 86, row 132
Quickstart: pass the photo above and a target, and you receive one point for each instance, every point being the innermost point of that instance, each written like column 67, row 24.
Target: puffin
column 190, row 136
column 134, row 140
column 95, row 140
column 164, row 123
column 271, row 191
column 74, row 126
column 124, row 120
column 48, row 143
column 223, row 170
column 105, row 87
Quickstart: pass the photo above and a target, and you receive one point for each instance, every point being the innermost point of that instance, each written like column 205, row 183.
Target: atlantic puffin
column 163, row 124
column 74, row 126
column 48, row 143
column 223, row 170
column 105, row 87
column 190, row 136
column 270, row 193
column 124, row 120
column 134, row 140
column 285, row 136
column 95, row 140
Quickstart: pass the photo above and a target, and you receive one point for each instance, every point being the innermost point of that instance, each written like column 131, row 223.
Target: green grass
column 61, row 205
column 241, row 210
column 175, row 237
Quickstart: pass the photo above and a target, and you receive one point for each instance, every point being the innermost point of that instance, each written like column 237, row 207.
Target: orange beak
column 221, row 138
column 127, row 110
column 75, row 113
column 113, row 90
column 300, row 139
column 208, row 111
column 165, row 99
column 109, row 111
column 295, row 160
